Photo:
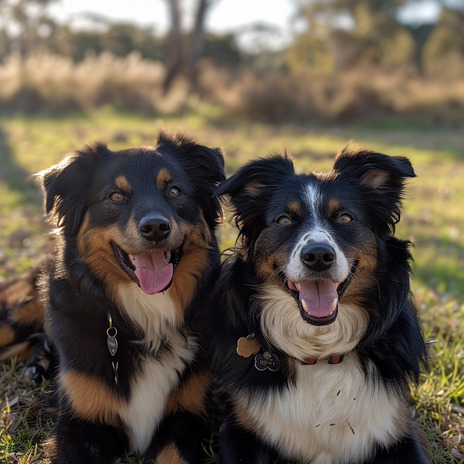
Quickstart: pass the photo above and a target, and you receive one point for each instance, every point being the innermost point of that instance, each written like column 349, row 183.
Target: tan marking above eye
column 162, row 178
column 333, row 207
column 294, row 208
column 122, row 184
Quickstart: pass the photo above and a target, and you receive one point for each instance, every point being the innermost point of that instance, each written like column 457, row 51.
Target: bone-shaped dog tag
column 268, row 361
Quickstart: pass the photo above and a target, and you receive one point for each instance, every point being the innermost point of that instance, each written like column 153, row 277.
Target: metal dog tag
column 111, row 341
column 247, row 346
column 267, row 360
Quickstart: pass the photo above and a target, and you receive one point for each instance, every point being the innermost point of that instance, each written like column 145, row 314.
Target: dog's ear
column 255, row 179
column 65, row 187
column 251, row 187
column 381, row 178
column 204, row 165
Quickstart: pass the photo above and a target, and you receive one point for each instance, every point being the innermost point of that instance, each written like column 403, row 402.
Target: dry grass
column 50, row 84
column 355, row 95
column 433, row 219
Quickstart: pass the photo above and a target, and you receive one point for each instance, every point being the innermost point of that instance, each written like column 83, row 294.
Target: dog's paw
column 41, row 363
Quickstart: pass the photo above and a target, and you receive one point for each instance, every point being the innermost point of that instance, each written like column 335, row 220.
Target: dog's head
column 132, row 214
column 313, row 241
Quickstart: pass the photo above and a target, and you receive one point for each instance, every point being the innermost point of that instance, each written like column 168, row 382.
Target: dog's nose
column 155, row 227
column 318, row 257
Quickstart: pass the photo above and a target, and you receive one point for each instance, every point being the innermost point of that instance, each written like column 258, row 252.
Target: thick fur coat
column 317, row 335
column 136, row 256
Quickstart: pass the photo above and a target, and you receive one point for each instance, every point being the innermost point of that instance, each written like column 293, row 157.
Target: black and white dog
column 317, row 337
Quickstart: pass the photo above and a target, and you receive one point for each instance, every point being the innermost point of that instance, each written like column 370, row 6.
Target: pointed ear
column 194, row 156
column 381, row 178
column 205, row 166
column 374, row 170
column 65, row 186
column 250, row 188
column 254, row 179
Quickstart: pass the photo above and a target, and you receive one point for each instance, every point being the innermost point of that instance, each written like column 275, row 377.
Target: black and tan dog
column 136, row 255
column 317, row 337
column 21, row 315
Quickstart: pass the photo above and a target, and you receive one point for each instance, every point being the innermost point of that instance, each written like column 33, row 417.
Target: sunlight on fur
column 332, row 413
column 282, row 323
column 154, row 314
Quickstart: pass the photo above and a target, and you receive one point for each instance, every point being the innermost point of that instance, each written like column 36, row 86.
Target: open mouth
column 318, row 299
column 152, row 271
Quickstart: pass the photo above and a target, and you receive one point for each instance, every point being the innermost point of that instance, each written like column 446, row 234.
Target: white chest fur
column 333, row 414
column 156, row 379
column 157, row 376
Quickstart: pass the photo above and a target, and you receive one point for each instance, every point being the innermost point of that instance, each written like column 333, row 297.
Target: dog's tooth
column 305, row 306
column 334, row 305
column 298, row 286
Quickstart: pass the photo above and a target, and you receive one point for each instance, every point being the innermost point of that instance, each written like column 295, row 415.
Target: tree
column 443, row 54
column 175, row 57
column 342, row 33
column 184, row 50
column 25, row 25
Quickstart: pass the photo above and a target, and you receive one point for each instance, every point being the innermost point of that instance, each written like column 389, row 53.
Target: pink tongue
column 153, row 271
column 319, row 297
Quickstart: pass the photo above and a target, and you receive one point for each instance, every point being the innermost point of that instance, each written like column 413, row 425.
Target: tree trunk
column 197, row 43
column 174, row 60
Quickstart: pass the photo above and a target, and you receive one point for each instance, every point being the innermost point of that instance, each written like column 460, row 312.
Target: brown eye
column 174, row 192
column 284, row 221
column 117, row 197
column 344, row 218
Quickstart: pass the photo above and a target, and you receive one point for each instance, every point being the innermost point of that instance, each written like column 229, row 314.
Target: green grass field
column 433, row 219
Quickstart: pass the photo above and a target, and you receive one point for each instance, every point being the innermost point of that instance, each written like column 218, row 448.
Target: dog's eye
column 117, row 197
column 344, row 218
column 284, row 221
column 174, row 192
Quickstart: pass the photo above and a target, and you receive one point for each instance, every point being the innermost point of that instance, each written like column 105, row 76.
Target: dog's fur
column 320, row 287
column 21, row 315
column 24, row 328
column 136, row 256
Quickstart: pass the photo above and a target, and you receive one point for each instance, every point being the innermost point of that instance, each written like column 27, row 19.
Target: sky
column 224, row 16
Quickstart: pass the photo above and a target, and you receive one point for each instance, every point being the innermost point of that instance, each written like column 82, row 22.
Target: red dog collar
column 331, row 360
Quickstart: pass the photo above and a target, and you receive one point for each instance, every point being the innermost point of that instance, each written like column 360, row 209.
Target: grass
column 433, row 219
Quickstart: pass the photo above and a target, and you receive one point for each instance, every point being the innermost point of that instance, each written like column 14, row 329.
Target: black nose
column 318, row 257
column 155, row 227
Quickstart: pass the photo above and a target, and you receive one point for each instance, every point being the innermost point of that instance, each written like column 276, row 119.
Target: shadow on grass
column 15, row 177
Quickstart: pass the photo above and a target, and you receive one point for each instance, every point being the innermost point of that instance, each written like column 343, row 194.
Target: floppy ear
column 65, row 186
column 205, row 166
column 251, row 187
column 380, row 177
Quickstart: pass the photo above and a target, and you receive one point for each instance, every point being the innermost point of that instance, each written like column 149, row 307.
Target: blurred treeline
column 348, row 60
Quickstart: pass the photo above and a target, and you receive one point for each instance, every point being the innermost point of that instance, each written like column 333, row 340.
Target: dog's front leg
column 178, row 440
column 407, row 451
column 239, row 446
column 82, row 442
